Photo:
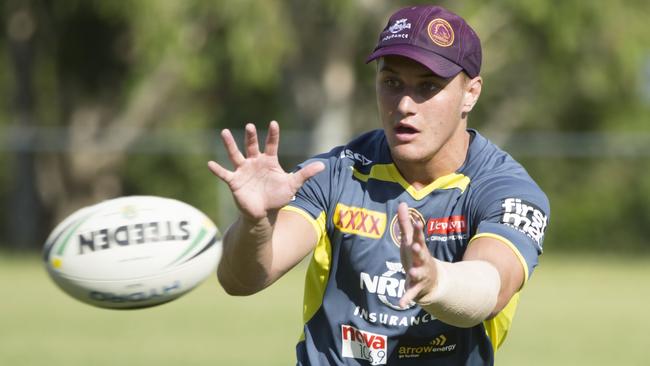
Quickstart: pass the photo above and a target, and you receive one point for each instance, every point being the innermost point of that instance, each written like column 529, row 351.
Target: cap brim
column 434, row 62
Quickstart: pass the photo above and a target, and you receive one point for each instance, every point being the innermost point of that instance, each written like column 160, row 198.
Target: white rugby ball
column 132, row 252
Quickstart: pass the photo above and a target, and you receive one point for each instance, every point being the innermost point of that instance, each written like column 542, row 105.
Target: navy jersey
column 355, row 278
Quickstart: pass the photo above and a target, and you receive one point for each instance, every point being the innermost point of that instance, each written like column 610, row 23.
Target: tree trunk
column 24, row 211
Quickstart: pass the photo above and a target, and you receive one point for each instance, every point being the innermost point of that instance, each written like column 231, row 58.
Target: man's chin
column 408, row 153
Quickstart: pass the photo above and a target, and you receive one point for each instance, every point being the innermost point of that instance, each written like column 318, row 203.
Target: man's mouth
column 405, row 130
column 404, row 133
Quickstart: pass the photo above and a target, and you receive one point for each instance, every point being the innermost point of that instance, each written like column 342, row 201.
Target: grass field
column 575, row 311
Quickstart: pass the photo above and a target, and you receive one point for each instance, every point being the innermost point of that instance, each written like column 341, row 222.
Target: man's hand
column 258, row 183
column 419, row 265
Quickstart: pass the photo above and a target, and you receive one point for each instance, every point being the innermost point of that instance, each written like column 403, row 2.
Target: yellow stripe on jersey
column 319, row 267
column 510, row 245
column 497, row 328
column 319, row 231
column 389, row 173
column 317, row 273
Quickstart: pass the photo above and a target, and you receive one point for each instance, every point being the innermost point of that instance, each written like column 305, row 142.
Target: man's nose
column 406, row 105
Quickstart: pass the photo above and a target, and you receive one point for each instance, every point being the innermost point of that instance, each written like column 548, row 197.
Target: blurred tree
column 25, row 221
column 122, row 86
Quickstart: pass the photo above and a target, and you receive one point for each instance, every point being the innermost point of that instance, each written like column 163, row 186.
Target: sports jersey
column 355, row 278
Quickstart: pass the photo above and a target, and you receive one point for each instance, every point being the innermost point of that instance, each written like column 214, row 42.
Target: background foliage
column 103, row 98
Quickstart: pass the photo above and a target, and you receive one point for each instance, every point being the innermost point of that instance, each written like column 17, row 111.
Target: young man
column 423, row 233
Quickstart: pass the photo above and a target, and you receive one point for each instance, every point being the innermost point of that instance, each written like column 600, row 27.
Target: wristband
column 465, row 293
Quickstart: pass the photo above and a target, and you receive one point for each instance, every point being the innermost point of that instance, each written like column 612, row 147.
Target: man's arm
column 506, row 262
column 256, row 254
column 462, row 294
column 265, row 242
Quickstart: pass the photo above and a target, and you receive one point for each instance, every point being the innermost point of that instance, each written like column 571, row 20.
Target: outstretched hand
column 419, row 265
column 258, row 183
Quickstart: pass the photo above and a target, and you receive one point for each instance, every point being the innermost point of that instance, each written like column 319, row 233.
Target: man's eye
column 429, row 87
column 391, row 83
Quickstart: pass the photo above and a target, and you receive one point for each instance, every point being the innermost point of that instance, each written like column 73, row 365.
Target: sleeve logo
column 525, row 217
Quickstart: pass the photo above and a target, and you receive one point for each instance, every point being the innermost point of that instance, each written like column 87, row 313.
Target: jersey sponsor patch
column 447, row 225
column 359, row 221
column 442, row 345
column 363, row 345
column 392, row 320
column 389, row 286
column 526, row 217
column 347, row 153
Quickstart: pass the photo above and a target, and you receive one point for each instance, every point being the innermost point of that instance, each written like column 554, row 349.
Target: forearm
column 465, row 293
column 245, row 266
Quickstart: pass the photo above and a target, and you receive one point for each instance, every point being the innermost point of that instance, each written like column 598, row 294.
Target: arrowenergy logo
column 359, row 221
column 435, row 347
column 363, row 345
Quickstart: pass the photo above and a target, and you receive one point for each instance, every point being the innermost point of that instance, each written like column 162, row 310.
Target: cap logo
column 441, row 32
column 399, row 26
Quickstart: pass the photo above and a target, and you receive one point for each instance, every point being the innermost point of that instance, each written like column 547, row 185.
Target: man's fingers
column 405, row 224
column 418, row 279
column 229, row 143
column 301, row 176
column 251, row 142
column 419, row 248
column 409, row 296
column 272, row 139
column 406, row 229
column 220, row 171
column 418, row 232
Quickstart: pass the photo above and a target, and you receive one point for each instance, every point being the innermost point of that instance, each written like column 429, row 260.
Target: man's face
column 420, row 111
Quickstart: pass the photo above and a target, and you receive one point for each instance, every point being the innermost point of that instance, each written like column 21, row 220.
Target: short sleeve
column 515, row 211
column 314, row 196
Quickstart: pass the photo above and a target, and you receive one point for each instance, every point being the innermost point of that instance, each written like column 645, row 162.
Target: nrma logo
column 389, row 286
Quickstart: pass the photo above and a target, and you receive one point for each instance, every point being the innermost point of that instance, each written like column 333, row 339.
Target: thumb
column 308, row 171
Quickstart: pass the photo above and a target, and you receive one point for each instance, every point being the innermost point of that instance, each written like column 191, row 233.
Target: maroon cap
column 434, row 37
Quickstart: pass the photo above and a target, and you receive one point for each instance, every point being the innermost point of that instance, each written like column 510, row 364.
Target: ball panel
column 131, row 252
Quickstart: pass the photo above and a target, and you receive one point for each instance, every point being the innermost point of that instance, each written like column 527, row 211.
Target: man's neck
column 447, row 160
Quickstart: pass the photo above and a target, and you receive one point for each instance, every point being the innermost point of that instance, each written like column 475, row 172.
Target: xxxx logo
column 360, row 221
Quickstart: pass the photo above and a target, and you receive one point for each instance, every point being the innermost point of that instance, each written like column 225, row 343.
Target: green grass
column 575, row 311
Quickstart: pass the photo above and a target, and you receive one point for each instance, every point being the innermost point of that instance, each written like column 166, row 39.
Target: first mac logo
column 359, row 221
column 525, row 217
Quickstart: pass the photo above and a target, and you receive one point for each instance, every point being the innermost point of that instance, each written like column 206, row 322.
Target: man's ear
column 471, row 93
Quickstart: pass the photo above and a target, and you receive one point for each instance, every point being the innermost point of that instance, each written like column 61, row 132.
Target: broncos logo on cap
column 441, row 32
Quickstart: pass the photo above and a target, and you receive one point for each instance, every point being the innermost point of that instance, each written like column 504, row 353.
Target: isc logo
column 347, row 153
column 359, row 221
